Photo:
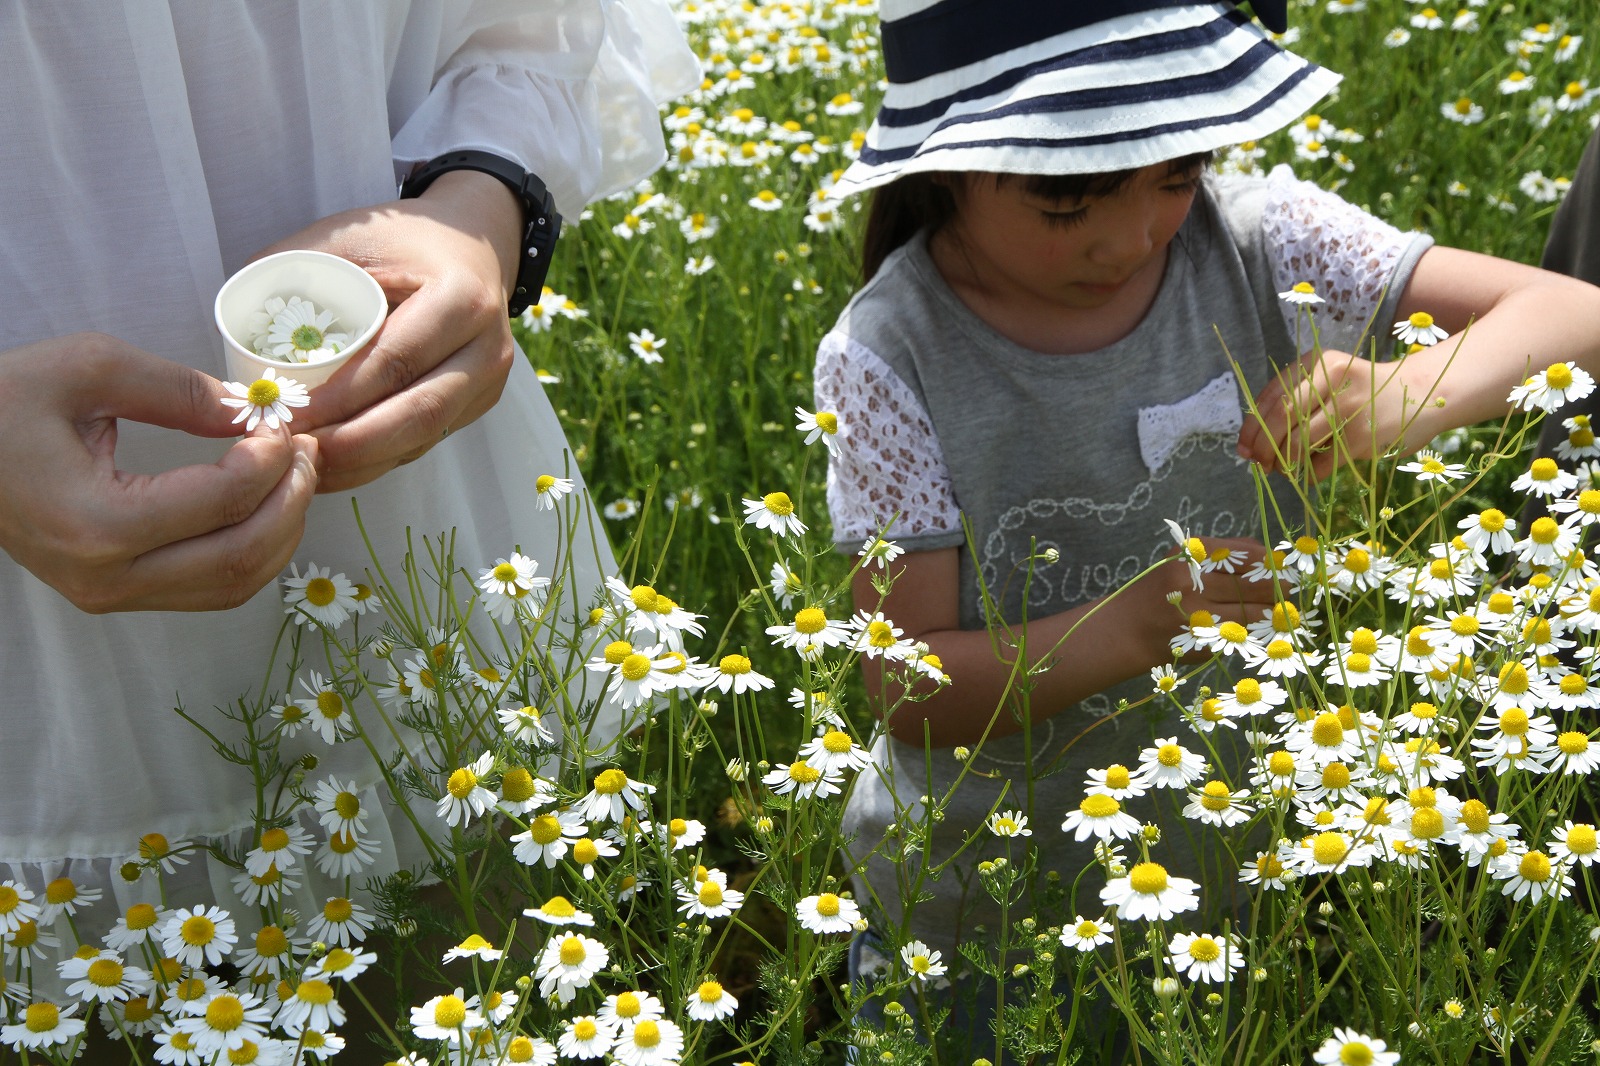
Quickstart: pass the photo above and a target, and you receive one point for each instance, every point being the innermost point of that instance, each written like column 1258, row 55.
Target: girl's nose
column 1125, row 242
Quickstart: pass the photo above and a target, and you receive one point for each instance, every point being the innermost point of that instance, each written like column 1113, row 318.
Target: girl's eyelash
column 1064, row 219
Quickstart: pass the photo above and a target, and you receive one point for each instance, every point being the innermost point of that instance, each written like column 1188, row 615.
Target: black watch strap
column 541, row 223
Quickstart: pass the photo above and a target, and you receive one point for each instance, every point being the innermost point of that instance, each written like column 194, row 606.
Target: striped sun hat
column 1074, row 86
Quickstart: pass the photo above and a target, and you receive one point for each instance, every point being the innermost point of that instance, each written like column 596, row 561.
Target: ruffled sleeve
column 1358, row 263
column 567, row 88
column 890, row 472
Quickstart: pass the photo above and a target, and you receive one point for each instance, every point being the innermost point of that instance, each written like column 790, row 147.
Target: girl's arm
column 1522, row 319
column 1127, row 635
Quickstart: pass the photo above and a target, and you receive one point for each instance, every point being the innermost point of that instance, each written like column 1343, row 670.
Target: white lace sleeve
column 890, row 468
column 1347, row 255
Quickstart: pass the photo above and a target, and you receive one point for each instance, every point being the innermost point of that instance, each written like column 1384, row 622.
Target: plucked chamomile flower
column 1148, row 891
column 1201, row 957
column 827, row 913
column 710, row 1002
column 1086, row 934
column 319, row 596
column 1303, row 293
column 1099, row 815
column 774, row 511
column 267, row 399
column 1346, row 1047
column 1552, row 387
column 821, row 425
column 294, row 331
column 465, row 797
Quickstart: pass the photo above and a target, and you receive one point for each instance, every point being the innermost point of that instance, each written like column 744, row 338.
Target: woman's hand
column 1368, row 406
column 447, row 260
column 198, row 538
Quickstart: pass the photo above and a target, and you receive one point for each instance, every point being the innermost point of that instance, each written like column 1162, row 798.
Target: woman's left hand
column 447, row 260
column 1331, row 409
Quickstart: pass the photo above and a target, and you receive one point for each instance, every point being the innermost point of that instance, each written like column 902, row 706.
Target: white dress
column 150, row 149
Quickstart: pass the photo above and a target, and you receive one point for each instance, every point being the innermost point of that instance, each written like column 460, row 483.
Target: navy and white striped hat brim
column 1138, row 89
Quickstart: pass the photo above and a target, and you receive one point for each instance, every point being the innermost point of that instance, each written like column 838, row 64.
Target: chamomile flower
column 710, row 897
column 648, row 1042
column 1148, row 891
column 1086, row 934
column 1193, row 552
column 804, row 780
column 1488, row 531
column 279, row 846
column 312, row 1006
column 326, row 710
column 810, row 632
column 104, row 977
column 342, row 964
column 734, row 673
column 1217, row 804
column 140, row 924
column 1302, row 293
column 1574, row 842
column 268, row 399
column 548, row 838
column 1429, row 467
column 341, row 922
column 446, row 1018
column 1347, row 1046
column 1267, row 870
column 1116, row 781
column 318, row 596
column 710, row 1002
column 569, row 963
column 875, row 551
column 877, row 636
column 646, row 345
column 827, row 913
column 1530, row 875
column 1168, row 764
column 1209, row 959
column 1545, row 478
column 198, row 936
column 525, row 725
column 1552, row 387
column 1462, row 110
column 1100, row 816
column 1009, row 824
column 823, row 426
column 835, row 751
column 465, row 798
column 1575, row 754
column 43, row 1025
column 614, row 794
column 586, row 1037
column 16, row 906
column 774, row 511
column 785, row 584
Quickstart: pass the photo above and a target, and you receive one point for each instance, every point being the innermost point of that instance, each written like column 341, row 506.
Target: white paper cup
column 331, row 283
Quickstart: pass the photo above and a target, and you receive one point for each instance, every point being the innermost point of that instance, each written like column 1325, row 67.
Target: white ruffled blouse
column 150, row 149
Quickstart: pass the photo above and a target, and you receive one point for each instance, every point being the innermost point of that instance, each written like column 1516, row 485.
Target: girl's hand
column 205, row 537
column 1228, row 597
column 1331, row 409
column 447, row 260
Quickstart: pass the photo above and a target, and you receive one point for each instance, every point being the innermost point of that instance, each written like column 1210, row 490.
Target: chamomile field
column 619, row 818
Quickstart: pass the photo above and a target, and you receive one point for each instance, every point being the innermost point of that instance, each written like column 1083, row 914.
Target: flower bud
column 1166, row 988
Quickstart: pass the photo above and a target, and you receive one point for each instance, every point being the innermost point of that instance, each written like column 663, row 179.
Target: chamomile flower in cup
column 300, row 313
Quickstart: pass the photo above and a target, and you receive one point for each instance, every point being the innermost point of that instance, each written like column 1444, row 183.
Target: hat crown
column 924, row 37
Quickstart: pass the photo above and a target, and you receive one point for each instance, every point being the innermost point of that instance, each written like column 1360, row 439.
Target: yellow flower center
column 584, row 1029
column 646, row 1034
column 1269, row 866
column 1543, row 530
column 1581, row 839
column 610, row 782
column 317, row 992
column 585, row 851
column 828, row 422
column 1491, row 520
column 1534, row 867
column 1475, row 816
column 263, row 393
column 617, row 651
column 1233, row 632
column 1464, row 625
column 41, row 1017
column 1427, row 823
column 810, row 620
column 1280, row 764
column 198, row 930
column 545, row 829
column 636, row 667
column 462, row 783
column 1117, row 776
column 1216, row 796
column 828, row 905
column 1574, row 685
column 1280, row 650
column 139, row 916
column 1326, row 731
column 338, row 910
column 1169, row 755
column 1336, row 775
column 1543, row 469
column 330, row 704
column 880, row 634
column 1200, row 619
column 1247, row 691
column 107, row 973
column 1148, row 878
column 225, row 1013
column 1573, row 743
column 271, row 942
column 777, row 502
column 516, row 785
column 803, row 773
column 1558, row 376
column 1329, row 849
column 1205, row 949
column 544, row 483
column 451, row 1011
column 1099, row 806
column 559, row 907
column 628, row 1005
column 836, row 742
column 734, row 665
column 572, row 951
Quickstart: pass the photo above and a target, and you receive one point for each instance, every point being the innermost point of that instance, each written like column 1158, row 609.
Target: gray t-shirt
column 1086, row 454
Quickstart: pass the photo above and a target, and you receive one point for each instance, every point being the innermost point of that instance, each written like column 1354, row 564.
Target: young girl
column 1036, row 375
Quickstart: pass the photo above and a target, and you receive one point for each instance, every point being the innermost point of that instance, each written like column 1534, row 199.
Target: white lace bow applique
column 1212, row 411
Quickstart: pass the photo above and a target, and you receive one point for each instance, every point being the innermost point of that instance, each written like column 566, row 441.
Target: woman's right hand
column 198, row 538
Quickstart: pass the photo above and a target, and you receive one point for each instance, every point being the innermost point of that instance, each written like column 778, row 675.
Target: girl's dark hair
column 910, row 203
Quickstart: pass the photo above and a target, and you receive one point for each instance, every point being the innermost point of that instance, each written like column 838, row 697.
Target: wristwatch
column 541, row 222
